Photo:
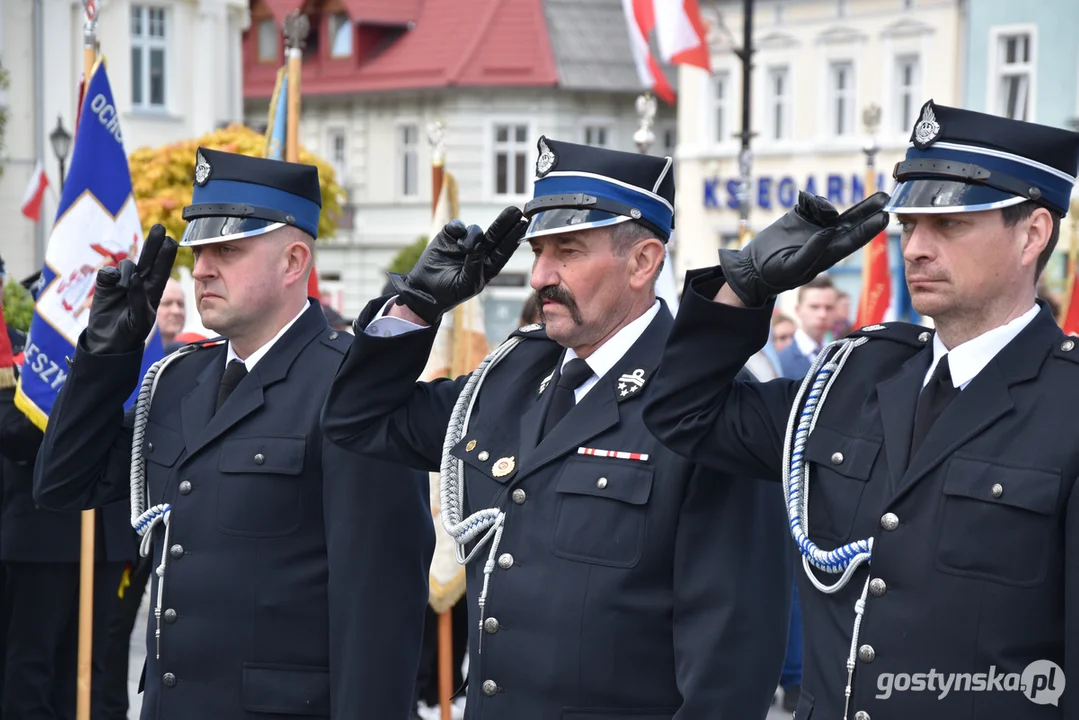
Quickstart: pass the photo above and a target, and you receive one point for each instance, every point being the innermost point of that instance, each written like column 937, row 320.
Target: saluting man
column 612, row 578
column 941, row 534
column 290, row 576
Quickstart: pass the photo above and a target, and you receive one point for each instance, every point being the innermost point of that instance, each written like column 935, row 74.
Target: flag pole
column 86, row 550
column 296, row 28
column 445, row 618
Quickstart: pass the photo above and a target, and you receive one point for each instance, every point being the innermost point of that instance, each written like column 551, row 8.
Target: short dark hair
column 1021, row 211
column 821, row 282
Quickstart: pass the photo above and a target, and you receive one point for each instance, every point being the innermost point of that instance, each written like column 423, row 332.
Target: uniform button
column 505, row 561
column 150, row 447
column 483, row 456
column 489, row 687
column 861, row 715
column 519, row 496
column 837, row 458
column 333, row 335
column 185, row 487
column 924, row 337
column 890, row 521
column 260, row 458
column 878, row 587
column 170, row 616
column 998, row 490
column 1067, row 345
column 866, row 653
column 491, row 625
column 177, row 551
column 601, row 483
column 169, row 679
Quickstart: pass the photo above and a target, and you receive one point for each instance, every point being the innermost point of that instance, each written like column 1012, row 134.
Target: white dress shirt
column 806, row 345
column 254, row 357
column 965, row 361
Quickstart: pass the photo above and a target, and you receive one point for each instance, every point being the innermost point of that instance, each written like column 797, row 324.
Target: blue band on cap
column 652, row 209
column 233, row 192
column 1055, row 190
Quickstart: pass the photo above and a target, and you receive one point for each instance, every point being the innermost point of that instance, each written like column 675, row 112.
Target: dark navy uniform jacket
column 646, row 589
column 29, row 533
column 296, row 580
column 974, row 574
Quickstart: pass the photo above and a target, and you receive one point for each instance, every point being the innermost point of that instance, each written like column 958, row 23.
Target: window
column 338, row 146
column 340, row 35
column 597, row 136
column 1015, row 75
column 669, row 138
column 779, row 98
column 779, row 13
column 148, row 45
column 511, row 159
column 907, row 82
column 721, row 106
column 408, row 160
column 841, row 91
column 843, row 8
column 908, row 4
column 268, row 51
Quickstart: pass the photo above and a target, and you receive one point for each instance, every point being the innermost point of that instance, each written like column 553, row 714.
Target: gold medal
column 503, row 467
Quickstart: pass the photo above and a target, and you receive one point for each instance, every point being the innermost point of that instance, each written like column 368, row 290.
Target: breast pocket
column 259, row 490
column 997, row 521
column 602, row 506
column 840, row 466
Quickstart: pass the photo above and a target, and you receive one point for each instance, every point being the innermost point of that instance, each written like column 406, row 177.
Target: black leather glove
column 799, row 246
column 457, row 264
column 126, row 298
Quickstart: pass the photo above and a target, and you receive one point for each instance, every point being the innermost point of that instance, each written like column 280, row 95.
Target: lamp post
column 646, row 112
column 61, row 144
column 871, row 118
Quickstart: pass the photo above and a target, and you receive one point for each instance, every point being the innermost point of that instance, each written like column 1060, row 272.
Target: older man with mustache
column 609, row 577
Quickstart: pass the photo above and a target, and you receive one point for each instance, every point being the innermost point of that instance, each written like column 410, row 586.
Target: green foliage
column 408, row 256
column 18, row 306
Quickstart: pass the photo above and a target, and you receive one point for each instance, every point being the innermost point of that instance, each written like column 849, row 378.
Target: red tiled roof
column 453, row 43
column 388, row 12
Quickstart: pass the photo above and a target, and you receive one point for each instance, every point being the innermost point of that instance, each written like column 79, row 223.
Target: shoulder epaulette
column 907, row 333
column 1067, row 349
column 339, row 340
column 536, row 331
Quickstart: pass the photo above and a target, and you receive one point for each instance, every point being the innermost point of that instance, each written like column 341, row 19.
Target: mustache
column 562, row 296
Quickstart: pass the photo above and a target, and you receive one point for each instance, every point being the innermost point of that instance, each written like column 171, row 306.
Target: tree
column 407, row 257
column 162, row 180
column 18, row 306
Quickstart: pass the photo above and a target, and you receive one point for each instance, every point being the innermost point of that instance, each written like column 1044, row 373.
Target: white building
column 819, row 64
column 560, row 68
column 174, row 66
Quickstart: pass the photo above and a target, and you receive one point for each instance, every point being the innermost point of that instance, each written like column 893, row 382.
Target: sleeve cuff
column 387, row 326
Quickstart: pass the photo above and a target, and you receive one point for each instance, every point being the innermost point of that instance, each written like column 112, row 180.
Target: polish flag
column 680, row 33
column 641, row 19
column 35, row 192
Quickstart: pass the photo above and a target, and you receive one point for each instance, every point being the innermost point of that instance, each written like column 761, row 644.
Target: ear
column 297, row 262
column 1039, row 228
column 645, row 260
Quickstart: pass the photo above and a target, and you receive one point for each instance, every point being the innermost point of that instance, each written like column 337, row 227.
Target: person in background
column 783, row 327
column 172, row 313
column 816, row 313
column 841, row 326
column 530, row 312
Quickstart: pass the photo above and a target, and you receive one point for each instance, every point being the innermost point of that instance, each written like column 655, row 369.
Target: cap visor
column 206, row 230
column 937, row 195
column 560, row 220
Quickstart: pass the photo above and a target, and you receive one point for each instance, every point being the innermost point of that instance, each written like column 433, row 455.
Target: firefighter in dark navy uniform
column 290, row 575
column 608, row 577
column 929, row 474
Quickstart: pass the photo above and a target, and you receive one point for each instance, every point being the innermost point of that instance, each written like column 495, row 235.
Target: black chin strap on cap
column 965, row 172
column 192, row 212
column 583, row 201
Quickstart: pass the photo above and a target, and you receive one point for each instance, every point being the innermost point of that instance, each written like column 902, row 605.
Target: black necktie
column 575, row 372
column 936, row 396
column 234, row 373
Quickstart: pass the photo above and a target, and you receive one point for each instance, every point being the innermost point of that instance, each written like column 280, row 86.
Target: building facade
column 378, row 75
column 174, row 66
column 1023, row 62
column 819, row 66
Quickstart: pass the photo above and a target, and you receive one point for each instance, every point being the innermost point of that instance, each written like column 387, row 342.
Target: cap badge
column 928, row 129
column 202, row 169
column 546, row 159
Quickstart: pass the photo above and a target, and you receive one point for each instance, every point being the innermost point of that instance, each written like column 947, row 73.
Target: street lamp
column 61, row 144
column 871, row 118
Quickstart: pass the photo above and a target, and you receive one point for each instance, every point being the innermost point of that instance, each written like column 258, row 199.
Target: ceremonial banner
column 97, row 225
column 460, row 346
column 875, row 303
